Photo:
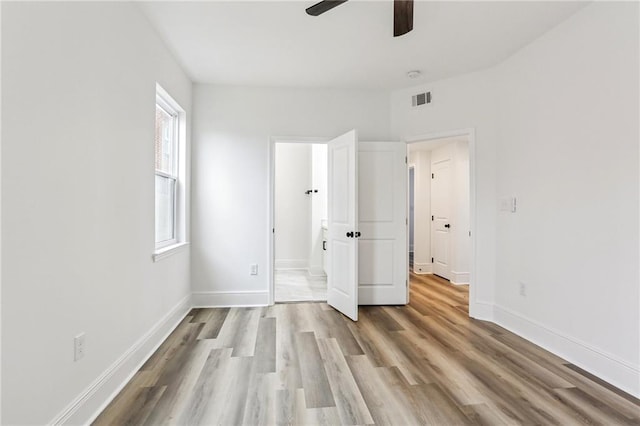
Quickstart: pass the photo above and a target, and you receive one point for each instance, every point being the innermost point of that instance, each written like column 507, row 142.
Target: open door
column 342, row 244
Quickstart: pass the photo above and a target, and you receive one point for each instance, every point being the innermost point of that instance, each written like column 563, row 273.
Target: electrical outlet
column 523, row 289
column 254, row 269
column 78, row 347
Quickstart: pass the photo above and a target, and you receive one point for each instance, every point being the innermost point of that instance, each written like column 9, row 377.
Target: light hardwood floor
column 425, row 364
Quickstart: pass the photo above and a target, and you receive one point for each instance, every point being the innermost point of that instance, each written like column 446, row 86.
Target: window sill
column 165, row 252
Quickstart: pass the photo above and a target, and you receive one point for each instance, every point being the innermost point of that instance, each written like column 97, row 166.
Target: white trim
column 168, row 251
column 285, row 264
column 610, row 368
column 316, row 271
column 459, row 278
column 422, row 268
column 223, row 299
column 94, row 399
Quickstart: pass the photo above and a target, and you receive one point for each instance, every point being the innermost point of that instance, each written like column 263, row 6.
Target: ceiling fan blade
column 323, row 6
column 402, row 17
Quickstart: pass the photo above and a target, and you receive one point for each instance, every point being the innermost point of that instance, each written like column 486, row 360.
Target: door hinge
column 432, row 260
column 433, row 175
column 432, row 218
column 273, row 230
column 405, row 160
column 406, row 283
column 406, row 221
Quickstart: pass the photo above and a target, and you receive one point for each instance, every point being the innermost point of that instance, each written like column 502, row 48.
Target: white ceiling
column 268, row 43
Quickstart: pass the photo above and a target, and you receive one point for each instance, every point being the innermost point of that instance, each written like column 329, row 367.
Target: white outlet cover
column 78, row 347
column 507, row 204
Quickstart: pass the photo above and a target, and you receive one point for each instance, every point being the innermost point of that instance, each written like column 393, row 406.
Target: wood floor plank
column 213, row 323
column 265, row 350
column 260, row 408
column 316, row 386
column 387, row 405
column 210, row 386
column 435, row 407
column 351, row 406
column 174, row 399
column 306, row 364
column 123, row 412
column 339, row 330
column 596, row 411
column 286, row 409
column 287, row 359
column 240, row 331
column 324, row 416
column 236, row 394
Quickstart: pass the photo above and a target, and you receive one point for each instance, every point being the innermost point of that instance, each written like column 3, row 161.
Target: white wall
column 421, row 160
column 319, row 204
column 232, row 131
column 568, row 151
column 78, row 100
column 292, row 207
column 562, row 116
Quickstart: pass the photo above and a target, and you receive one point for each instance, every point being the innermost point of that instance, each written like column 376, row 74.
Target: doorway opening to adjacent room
column 300, row 216
column 441, row 206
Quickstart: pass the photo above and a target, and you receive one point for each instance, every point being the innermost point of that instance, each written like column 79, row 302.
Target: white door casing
column 441, row 211
column 342, row 249
column 382, row 222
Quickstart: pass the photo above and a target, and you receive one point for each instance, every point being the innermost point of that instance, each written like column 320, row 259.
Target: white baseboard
column 481, row 310
column 459, row 278
column 291, row 264
column 606, row 366
column 422, row 268
column 89, row 404
column 317, row 271
column 219, row 299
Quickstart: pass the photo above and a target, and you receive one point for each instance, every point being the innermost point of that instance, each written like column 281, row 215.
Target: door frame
column 470, row 134
column 271, row 214
column 411, row 182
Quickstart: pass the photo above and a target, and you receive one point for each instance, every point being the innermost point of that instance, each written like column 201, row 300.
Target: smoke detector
column 414, row 74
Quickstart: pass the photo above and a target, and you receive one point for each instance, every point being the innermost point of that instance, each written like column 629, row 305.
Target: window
column 169, row 145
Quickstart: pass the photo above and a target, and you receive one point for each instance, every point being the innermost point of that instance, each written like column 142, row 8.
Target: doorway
column 441, row 206
column 300, row 215
column 366, row 239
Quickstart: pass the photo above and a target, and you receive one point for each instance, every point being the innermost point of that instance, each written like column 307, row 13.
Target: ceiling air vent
column 421, row 99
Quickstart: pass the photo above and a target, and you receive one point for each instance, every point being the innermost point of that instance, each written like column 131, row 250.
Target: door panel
column 342, row 279
column 441, row 211
column 382, row 214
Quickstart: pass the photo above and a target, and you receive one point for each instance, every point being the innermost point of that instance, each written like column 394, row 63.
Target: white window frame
column 179, row 175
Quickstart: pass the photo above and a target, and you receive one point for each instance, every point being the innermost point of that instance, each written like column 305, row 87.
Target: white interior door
column 441, row 214
column 342, row 245
column 382, row 222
